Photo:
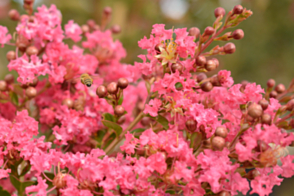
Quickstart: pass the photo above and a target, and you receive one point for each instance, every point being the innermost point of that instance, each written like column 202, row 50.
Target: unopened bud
column 224, row 193
column 119, row 110
column 34, row 82
column 145, row 121
column 221, row 131
column 9, row 78
column 218, row 143
column 209, row 31
column 28, row 2
column 3, row 85
column 210, row 65
column 255, row 110
column 200, row 60
column 238, row 9
column 121, row 120
column 271, row 83
column 238, row 34
column 107, row 11
column 201, row 76
column 264, row 104
column 112, row 88
column 273, row 94
column 229, row 48
column 176, row 66
column 14, row 15
column 280, row 88
column 194, row 31
column 219, row 11
column 59, row 181
column 101, row 91
column 191, row 125
column 122, row 83
column 32, row 50
column 115, row 29
column 11, row 55
column 252, row 174
column 91, row 23
column 266, row 119
column 290, row 104
column 31, row 92
column 85, row 28
column 68, row 102
column 216, row 62
column 206, row 86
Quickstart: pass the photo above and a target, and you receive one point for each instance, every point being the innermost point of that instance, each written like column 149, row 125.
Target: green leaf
column 179, row 85
column 108, row 117
column 120, row 100
column 20, row 186
column 163, row 121
column 3, row 192
column 139, row 130
column 13, row 97
column 170, row 192
column 113, row 125
column 26, row 169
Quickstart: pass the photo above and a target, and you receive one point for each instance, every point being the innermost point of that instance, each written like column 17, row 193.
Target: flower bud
column 34, row 82
column 59, row 181
column 209, row 31
column 122, row 83
column 68, row 102
column 31, row 92
column 115, row 29
column 11, row 55
column 218, row 143
column 112, row 88
column 271, row 83
column 91, row 23
column 266, row 119
column 261, row 146
column 229, row 48
column 280, row 88
column 32, row 50
column 176, row 66
column 22, row 43
column 216, row 62
column 119, row 110
column 206, row 86
column 101, row 91
column 264, row 104
column 215, row 80
column 238, row 9
column 200, row 60
column 28, row 2
column 145, row 121
column 107, row 11
column 194, row 31
column 191, row 125
column 85, row 28
column 121, row 120
column 9, row 78
column 3, row 85
column 290, row 104
column 221, row 131
column 14, row 15
column 210, row 65
column 255, row 110
column 252, row 174
column 201, row 76
column 238, row 34
column 219, row 11
column 273, row 94
column 224, row 193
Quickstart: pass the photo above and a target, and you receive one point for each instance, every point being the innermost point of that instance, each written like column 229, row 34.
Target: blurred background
column 266, row 51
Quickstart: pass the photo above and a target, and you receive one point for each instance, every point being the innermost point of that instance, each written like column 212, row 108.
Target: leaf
column 3, row 192
column 139, row 130
column 14, row 98
column 163, row 121
column 20, row 186
column 109, row 117
column 26, row 170
column 113, row 125
column 120, row 100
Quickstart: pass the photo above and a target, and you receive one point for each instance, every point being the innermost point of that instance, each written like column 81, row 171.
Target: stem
column 284, row 118
column 243, row 128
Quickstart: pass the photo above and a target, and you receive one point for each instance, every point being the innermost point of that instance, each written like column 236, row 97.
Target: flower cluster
column 163, row 126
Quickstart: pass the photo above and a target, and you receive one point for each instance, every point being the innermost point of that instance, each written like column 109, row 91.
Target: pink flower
column 224, row 78
column 153, row 107
column 287, row 166
column 40, row 188
column 181, row 171
column 4, row 173
column 130, row 144
column 3, row 37
column 157, row 162
column 73, row 31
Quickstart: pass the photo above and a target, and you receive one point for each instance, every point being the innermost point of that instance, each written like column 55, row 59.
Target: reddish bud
column 119, row 110
column 218, row 143
column 28, row 2
column 91, row 23
column 191, row 125
column 221, row 131
column 229, row 48
column 264, row 104
column 194, row 31
column 209, row 31
column 238, row 34
column 112, row 88
column 266, row 119
column 145, row 121
column 255, row 110
column 238, row 9
column 200, row 60
column 273, row 94
column 252, row 174
column 280, row 88
column 224, row 193
column 107, row 11
column 85, row 28
column 201, row 76
column 206, row 86
column 122, row 83
column 115, row 29
column 271, row 83
column 11, row 55
column 68, row 102
column 290, row 104
column 9, row 78
column 261, row 146
column 219, row 11
column 31, row 92
column 59, row 181
column 210, row 65
column 176, row 66
column 3, row 85
column 121, row 120
column 101, row 91
column 24, row 86
column 34, row 82
column 14, row 15
column 216, row 62
column 32, row 50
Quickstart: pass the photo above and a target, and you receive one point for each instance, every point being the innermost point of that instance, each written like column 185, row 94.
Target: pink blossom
column 130, row 144
column 224, row 78
column 153, row 107
column 157, row 162
column 40, row 188
column 73, row 31
column 3, row 37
